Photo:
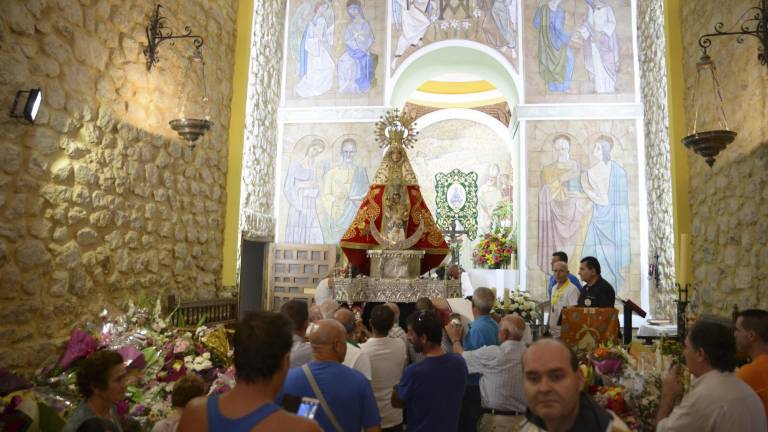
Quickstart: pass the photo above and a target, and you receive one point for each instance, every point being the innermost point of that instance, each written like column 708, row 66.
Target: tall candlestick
column 507, row 302
column 685, row 245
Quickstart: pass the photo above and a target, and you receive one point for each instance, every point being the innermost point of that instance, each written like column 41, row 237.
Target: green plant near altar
column 499, row 244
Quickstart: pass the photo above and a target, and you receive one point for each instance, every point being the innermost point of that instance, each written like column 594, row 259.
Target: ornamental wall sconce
column 710, row 142
column 194, row 117
column 31, row 105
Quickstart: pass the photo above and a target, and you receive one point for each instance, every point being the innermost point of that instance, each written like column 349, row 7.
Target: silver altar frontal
column 364, row 289
column 395, row 264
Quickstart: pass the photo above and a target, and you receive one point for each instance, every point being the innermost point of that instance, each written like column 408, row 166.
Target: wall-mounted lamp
column 716, row 136
column 158, row 32
column 753, row 22
column 710, row 142
column 31, row 106
column 194, row 118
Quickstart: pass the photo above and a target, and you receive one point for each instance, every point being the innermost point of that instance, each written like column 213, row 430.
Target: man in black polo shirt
column 597, row 291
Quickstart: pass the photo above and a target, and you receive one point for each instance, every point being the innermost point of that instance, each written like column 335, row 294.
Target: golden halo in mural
column 396, row 127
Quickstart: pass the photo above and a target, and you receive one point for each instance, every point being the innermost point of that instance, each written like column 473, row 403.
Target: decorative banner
column 456, row 200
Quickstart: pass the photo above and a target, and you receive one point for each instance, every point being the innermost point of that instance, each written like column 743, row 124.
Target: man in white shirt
column 355, row 358
column 564, row 294
column 323, row 291
column 501, row 385
column 718, row 401
column 388, row 357
column 297, row 312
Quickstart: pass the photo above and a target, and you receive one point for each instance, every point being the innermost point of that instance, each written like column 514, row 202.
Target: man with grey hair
column 564, row 294
column 482, row 332
column 355, row 358
column 501, row 385
column 328, row 308
column 397, row 331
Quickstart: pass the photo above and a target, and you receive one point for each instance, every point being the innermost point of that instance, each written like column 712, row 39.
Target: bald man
column 553, row 385
column 397, row 331
column 356, row 358
column 564, row 294
column 346, row 391
column 501, row 387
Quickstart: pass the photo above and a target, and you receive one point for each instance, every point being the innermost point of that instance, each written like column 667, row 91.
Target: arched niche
column 454, row 56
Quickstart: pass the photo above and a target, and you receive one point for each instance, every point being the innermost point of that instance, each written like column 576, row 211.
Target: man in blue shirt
column 347, row 391
column 482, row 332
column 432, row 389
column 557, row 257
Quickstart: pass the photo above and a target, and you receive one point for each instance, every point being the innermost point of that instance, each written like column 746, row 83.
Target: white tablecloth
column 499, row 279
column 646, row 330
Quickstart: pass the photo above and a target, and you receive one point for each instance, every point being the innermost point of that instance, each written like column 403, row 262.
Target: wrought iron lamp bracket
column 753, row 22
column 159, row 32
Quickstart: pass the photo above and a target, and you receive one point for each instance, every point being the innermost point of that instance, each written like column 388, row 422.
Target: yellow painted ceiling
column 453, row 87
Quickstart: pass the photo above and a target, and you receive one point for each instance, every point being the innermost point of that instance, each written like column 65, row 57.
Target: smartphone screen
column 308, row 407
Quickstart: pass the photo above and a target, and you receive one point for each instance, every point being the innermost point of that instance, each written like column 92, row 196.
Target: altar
column 489, row 278
column 364, row 289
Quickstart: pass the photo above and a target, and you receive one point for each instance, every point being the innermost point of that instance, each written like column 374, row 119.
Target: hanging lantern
column 194, row 113
column 714, row 136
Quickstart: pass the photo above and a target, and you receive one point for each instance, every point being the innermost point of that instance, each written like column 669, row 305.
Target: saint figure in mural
column 561, row 205
column 500, row 23
column 302, row 189
column 316, row 66
column 488, row 196
column 414, row 22
column 343, row 189
column 601, row 47
column 356, row 64
column 555, row 53
column 605, row 184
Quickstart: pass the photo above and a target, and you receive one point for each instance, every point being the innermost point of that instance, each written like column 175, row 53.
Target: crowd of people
column 439, row 372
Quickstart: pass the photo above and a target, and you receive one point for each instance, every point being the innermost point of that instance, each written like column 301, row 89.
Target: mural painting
column 327, row 167
column 579, row 51
column 416, row 23
column 583, row 198
column 334, row 54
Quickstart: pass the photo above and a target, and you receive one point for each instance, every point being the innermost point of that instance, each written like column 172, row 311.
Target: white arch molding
column 454, row 56
column 486, row 63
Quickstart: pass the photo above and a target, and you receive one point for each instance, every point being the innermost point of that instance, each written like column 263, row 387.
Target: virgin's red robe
column 358, row 238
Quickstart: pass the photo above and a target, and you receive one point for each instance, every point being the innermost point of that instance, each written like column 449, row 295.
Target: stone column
column 257, row 221
column 653, row 88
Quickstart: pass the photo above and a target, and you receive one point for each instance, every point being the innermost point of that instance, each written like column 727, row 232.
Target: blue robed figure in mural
column 555, row 54
column 356, row 64
column 605, row 184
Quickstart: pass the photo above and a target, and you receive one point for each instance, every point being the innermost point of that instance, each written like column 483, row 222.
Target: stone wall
column 653, row 88
column 729, row 202
column 100, row 200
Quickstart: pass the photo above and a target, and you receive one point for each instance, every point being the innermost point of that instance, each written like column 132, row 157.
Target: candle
column 685, row 245
column 507, row 302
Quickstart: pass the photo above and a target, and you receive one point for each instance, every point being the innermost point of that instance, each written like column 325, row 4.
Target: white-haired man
column 482, row 332
column 564, row 294
column 501, row 385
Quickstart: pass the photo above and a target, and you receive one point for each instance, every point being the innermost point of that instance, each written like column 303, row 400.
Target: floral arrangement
column 608, row 360
column 521, row 303
column 155, row 354
column 628, row 381
column 493, row 251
